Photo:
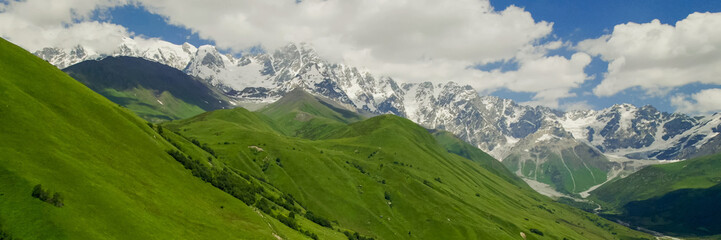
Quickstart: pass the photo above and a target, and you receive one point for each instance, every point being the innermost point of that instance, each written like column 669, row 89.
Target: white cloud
column 550, row 77
column 573, row 106
column 410, row 40
column 34, row 24
column 391, row 31
column 703, row 102
column 659, row 57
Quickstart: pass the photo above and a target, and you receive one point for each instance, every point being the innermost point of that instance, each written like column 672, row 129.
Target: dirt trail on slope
column 275, row 233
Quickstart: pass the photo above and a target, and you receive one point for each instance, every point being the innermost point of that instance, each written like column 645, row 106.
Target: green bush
column 356, row 236
column 57, row 200
column 536, row 231
column 44, row 195
column 197, row 168
column 288, row 221
column 310, row 234
column 40, row 193
column 264, row 206
column 317, row 219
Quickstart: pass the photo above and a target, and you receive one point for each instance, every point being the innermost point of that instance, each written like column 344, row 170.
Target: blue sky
column 521, row 55
column 576, row 21
column 572, row 20
column 138, row 20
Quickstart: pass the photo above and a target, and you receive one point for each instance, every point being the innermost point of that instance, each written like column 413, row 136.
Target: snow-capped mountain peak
column 493, row 124
column 167, row 53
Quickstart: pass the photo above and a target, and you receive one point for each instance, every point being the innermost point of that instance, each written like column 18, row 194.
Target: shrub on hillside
column 40, row 193
column 57, row 200
column 197, row 168
column 310, row 234
column 317, row 219
column 44, row 195
column 288, row 221
column 356, row 236
column 536, row 231
column 264, row 206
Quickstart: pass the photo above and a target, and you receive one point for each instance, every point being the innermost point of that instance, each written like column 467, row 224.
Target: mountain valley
column 300, row 168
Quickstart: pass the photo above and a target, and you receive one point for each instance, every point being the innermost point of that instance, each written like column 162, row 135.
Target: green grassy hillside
column 385, row 177
column 684, row 212
column 679, row 199
column 152, row 90
column 122, row 178
column 303, row 115
column 565, row 164
column 657, row 180
column 461, row 148
column 111, row 168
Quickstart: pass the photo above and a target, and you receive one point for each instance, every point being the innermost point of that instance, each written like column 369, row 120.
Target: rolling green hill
column 111, row 169
column 303, row 115
column 455, row 145
column 153, row 91
column 679, row 199
column 385, row 177
column 684, row 212
column 120, row 177
column 658, row 180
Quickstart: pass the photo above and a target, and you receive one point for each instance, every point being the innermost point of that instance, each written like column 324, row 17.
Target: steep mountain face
column 153, row 91
column 492, row 124
column 643, row 133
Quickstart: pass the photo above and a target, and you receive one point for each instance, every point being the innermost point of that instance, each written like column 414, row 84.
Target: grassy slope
column 461, row 148
column 679, row 199
column 117, row 180
column 684, row 212
column 345, row 174
column 569, row 167
column 657, row 180
column 153, row 91
column 144, row 103
column 303, row 115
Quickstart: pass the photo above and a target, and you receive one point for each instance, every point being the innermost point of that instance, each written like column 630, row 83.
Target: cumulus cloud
column 409, row 40
column 703, row 102
column 34, row 24
column 550, row 77
column 659, row 57
column 574, row 106
column 392, row 31
column 412, row 41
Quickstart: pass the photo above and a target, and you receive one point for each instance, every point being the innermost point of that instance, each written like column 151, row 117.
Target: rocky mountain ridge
column 493, row 124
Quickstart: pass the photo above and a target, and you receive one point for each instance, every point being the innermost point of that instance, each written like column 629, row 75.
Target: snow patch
column 546, row 137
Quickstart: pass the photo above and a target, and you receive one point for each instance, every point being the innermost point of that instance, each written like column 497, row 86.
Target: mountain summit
column 492, row 124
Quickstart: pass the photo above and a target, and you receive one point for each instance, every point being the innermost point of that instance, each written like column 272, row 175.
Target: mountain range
column 541, row 144
column 300, row 168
